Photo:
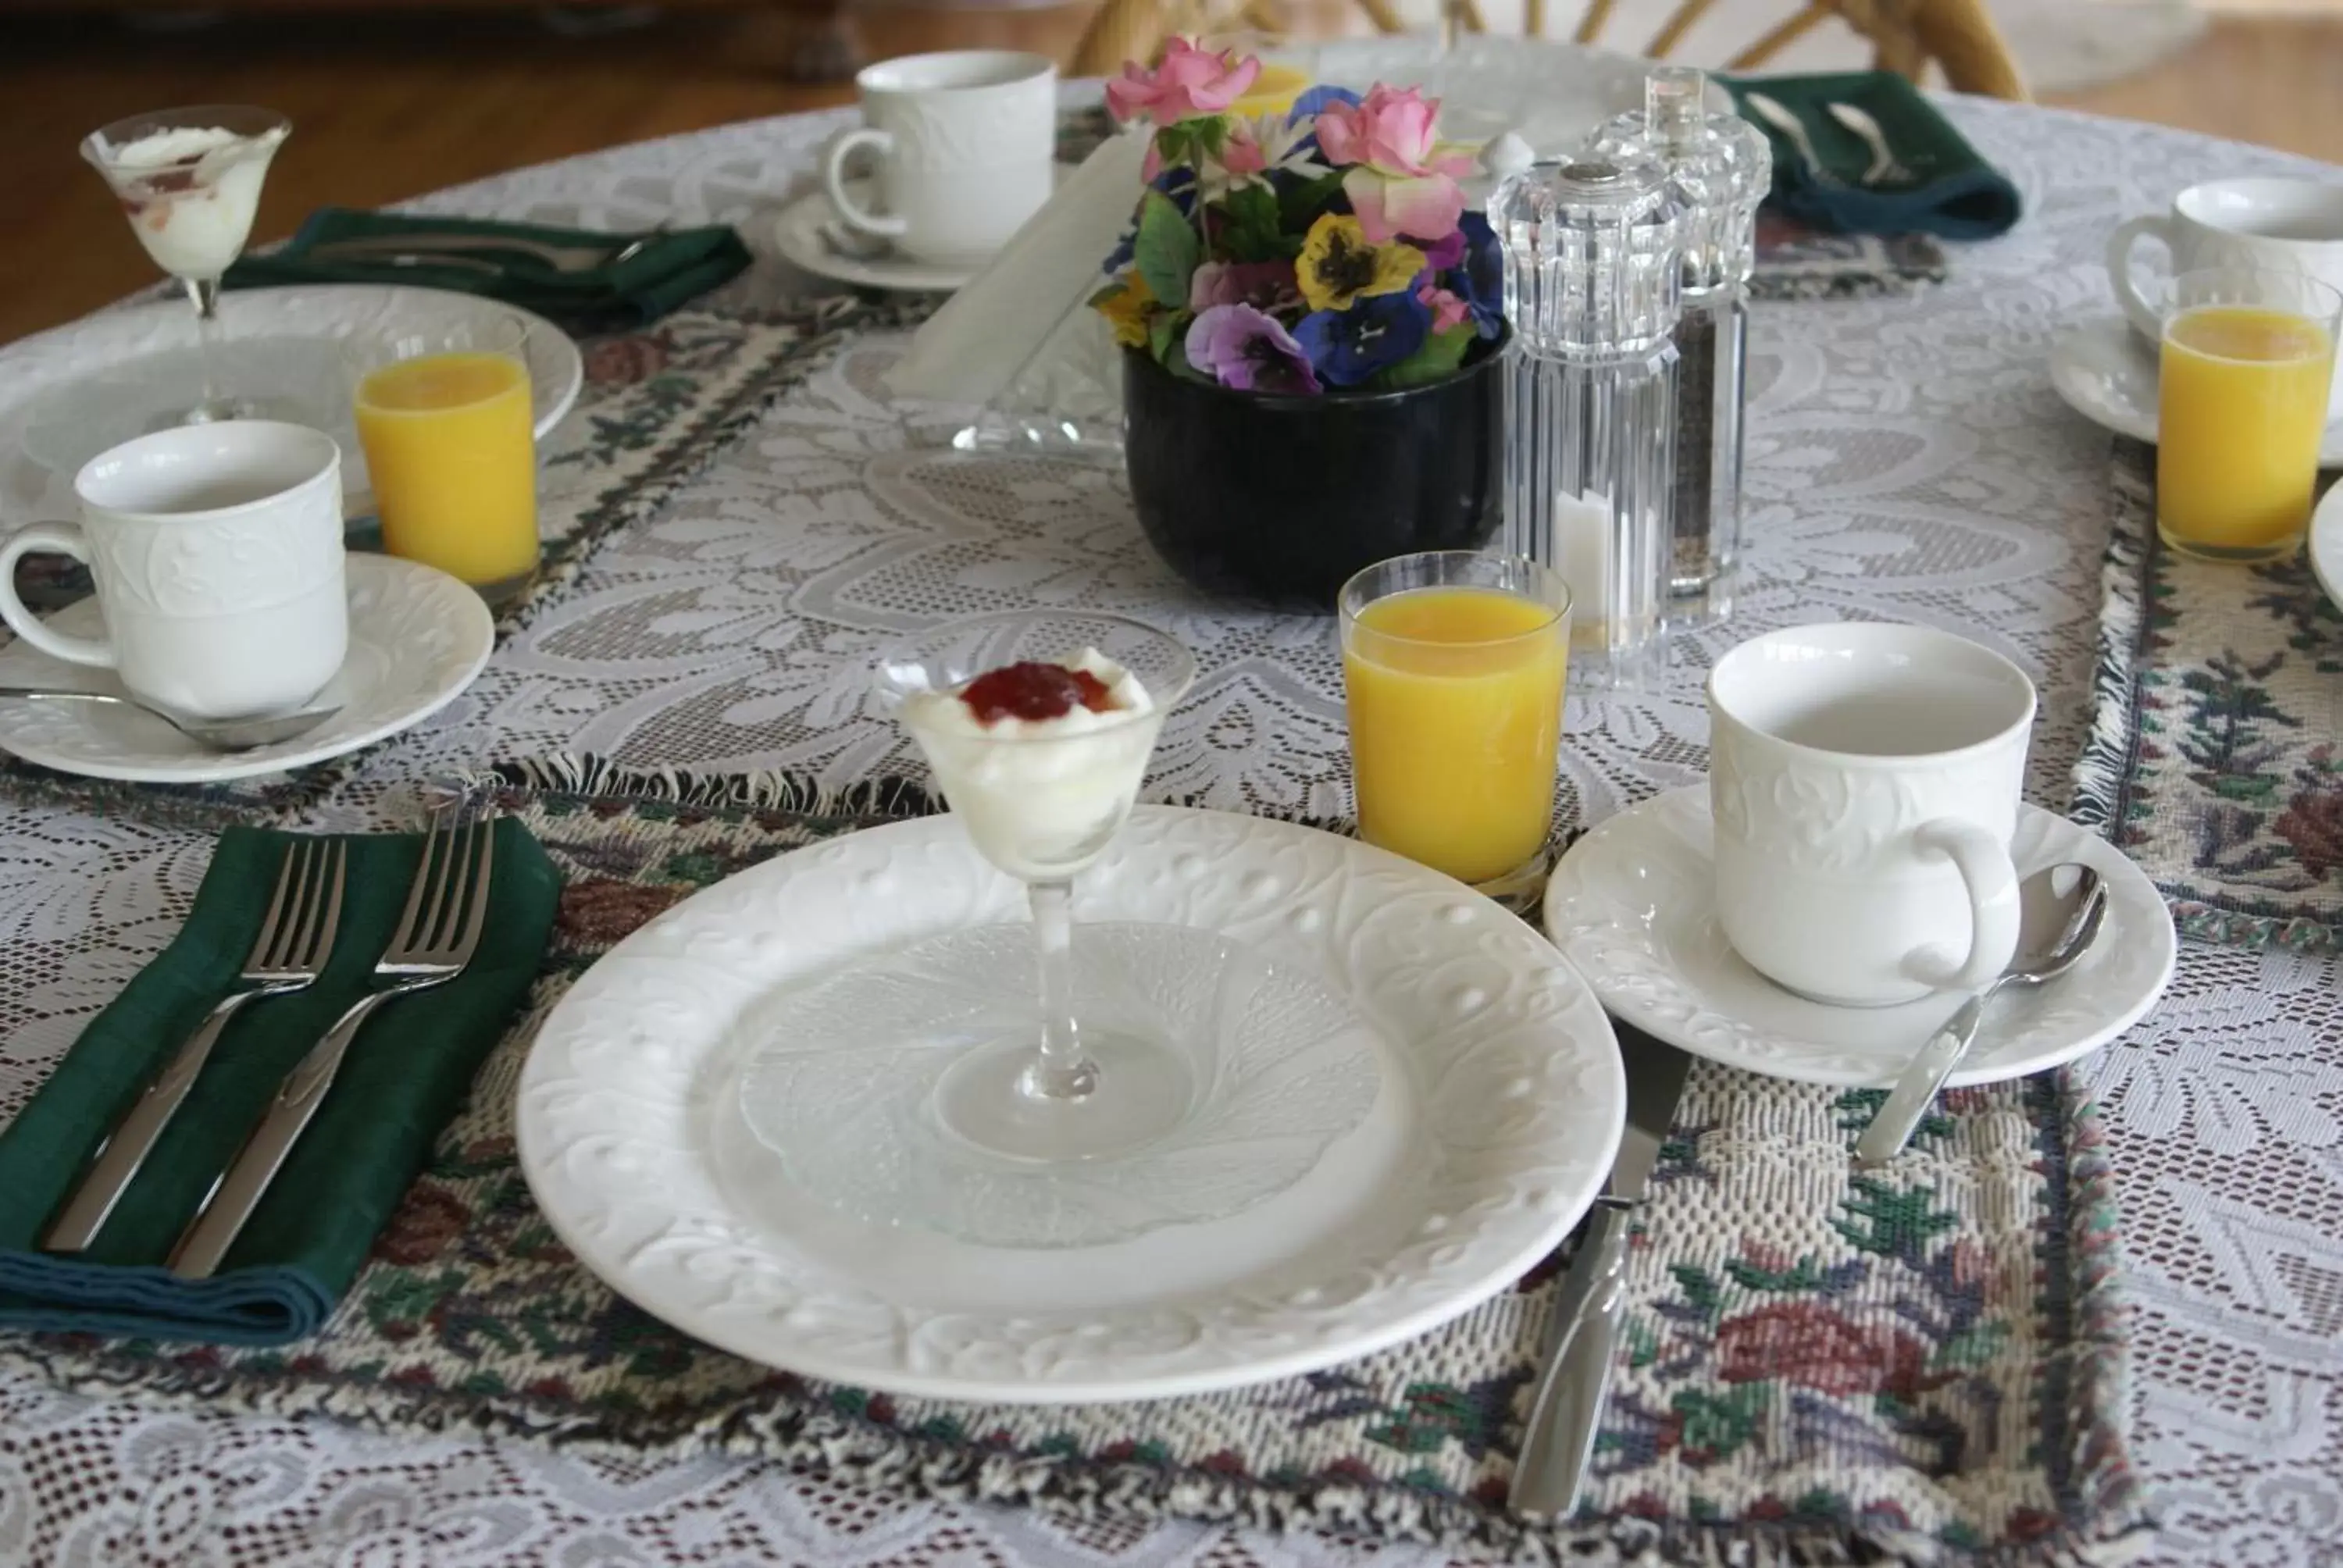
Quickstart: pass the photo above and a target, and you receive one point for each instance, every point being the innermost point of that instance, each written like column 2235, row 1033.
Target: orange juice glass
column 2247, row 358
column 1453, row 667
column 448, row 426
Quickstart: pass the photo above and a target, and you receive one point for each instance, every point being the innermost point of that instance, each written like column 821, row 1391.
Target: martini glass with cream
column 190, row 181
column 1037, row 727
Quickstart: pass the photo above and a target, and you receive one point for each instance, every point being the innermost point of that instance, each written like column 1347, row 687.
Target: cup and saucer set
column 225, row 600
column 961, row 150
column 1858, row 865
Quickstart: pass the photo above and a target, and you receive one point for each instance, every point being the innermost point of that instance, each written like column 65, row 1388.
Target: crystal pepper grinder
column 1720, row 168
column 1593, row 289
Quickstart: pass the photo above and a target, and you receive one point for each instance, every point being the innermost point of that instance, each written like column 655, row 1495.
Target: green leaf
column 1250, row 229
column 1441, row 354
column 1299, row 207
column 1167, row 250
column 1175, row 361
column 1161, row 332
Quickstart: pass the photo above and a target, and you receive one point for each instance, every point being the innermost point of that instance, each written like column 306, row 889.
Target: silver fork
column 295, row 943
column 446, row 905
column 1885, row 167
column 1774, row 113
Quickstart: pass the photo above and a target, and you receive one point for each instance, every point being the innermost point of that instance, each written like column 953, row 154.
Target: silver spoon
column 1885, row 167
column 2055, row 928
column 215, row 734
column 1771, row 111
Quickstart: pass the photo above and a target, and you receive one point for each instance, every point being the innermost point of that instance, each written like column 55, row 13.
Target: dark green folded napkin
column 405, row 1077
column 670, row 269
column 1953, row 194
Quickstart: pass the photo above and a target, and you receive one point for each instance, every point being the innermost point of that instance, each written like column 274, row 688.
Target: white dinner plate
column 2327, row 543
column 2106, row 373
column 417, row 638
column 1548, row 92
column 1633, row 906
column 64, row 389
column 1496, row 1115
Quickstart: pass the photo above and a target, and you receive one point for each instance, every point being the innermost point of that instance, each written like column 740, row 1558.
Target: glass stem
column 205, row 291
column 1061, row 1071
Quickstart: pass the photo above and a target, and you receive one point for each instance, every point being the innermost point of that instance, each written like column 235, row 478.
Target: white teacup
column 216, row 550
column 965, row 142
column 1864, row 783
column 2278, row 225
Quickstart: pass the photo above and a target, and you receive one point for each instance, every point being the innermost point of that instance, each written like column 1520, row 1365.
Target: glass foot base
column 1142, row 1090
column 891, row 1089
column 1522, row 890
column 211, row 411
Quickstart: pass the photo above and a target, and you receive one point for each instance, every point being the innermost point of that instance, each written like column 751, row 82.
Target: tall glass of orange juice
column 1452, row 664
column 2247, row 357
column 450, row 431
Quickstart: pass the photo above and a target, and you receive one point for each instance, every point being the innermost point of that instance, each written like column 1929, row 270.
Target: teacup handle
column 58, row 538
column 2120, row 245
column 833, row 177
column 1985, row 866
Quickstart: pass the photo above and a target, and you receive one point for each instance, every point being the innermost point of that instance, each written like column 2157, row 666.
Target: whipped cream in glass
column 1041, row 796
column 191, row 191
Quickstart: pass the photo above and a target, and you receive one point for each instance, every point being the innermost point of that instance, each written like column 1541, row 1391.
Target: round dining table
column 1908, row 459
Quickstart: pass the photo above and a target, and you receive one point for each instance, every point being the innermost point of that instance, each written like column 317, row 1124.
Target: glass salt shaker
column 1593, row 259
column 1720, row 168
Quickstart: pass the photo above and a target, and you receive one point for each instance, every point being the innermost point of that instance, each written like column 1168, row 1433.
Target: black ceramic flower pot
column 1279, row 498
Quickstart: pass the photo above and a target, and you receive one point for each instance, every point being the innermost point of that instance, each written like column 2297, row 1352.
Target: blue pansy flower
column 1480, row 281
column 1312, row 103
column 1348, row 346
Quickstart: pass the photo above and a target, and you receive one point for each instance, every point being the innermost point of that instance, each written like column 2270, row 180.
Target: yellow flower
column 1338, row 267
column 1127, row 310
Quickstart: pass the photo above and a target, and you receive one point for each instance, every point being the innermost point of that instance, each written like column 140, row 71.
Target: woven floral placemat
column 657, row 408
column 1816, row 1366
column 2215, row 759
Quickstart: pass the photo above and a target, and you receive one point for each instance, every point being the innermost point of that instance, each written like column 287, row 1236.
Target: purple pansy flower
column 1265, row 285
column 1442, row 254
column 1481, row 282
column 1241, row 346
column 1347, row 347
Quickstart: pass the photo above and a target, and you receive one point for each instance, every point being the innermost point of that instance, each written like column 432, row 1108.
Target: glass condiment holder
column 1593, row 285
column 1719, row 167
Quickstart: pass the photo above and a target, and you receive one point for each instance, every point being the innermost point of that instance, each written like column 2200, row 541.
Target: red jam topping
column 1033, row 691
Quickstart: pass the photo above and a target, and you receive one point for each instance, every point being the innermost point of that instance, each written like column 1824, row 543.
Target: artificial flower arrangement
column 1325, row 250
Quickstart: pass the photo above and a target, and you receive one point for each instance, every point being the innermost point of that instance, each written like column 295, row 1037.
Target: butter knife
column 1583, row 1334
column 451, row 245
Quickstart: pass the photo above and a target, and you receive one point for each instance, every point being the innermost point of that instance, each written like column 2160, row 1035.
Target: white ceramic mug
column 965, row 142
column 1865, row 783
column 216, row 550
column 2278, row 225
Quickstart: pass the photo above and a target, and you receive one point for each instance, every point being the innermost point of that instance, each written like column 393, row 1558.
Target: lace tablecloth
column 1908, row 459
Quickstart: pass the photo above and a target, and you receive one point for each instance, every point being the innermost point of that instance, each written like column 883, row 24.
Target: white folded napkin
column 1021, row 337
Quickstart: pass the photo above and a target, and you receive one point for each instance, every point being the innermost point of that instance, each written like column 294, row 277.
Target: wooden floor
column 391, row 107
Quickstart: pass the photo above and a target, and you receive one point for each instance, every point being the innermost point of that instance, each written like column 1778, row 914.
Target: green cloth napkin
column 666, row 272
column 405, row 1077
column 1953, row 194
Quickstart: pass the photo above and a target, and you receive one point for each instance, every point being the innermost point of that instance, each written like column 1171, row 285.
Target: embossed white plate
column 1633, row 906
column 292, row 333
column 418, row 637
column 1494, row 1124
column 2327, row 543
column 2106, row 373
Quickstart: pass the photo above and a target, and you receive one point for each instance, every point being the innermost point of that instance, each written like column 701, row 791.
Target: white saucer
column 797, row 232
column 418, row 637
column 1632, row 905
column 2327, row 543
column 2106, row 373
